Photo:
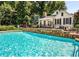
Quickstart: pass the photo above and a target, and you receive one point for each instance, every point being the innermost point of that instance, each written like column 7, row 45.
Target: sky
column 72, row 6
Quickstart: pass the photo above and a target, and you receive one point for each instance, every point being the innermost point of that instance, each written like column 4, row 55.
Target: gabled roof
column 54, row 14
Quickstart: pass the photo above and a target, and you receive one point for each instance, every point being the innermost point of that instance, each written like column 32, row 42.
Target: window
column 40, row 23
column 49, row 23
column 44, row 23
column 70, row 20
column 60, row 21
column 56, row 12
column 62, row 14
column 55, row 21
column 64, row 20
column 67, row 20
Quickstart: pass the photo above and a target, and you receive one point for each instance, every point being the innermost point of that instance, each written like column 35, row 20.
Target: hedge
column 5, row 28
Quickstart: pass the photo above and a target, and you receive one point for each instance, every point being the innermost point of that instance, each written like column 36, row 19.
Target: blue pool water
column 32, row 44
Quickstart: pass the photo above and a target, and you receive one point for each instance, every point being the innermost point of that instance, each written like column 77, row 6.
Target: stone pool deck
column 51, row 31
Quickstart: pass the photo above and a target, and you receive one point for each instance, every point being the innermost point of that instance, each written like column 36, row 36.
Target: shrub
column 10, row 27
column 77, row 26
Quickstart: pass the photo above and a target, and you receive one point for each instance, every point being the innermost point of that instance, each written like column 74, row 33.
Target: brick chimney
column 44, row 13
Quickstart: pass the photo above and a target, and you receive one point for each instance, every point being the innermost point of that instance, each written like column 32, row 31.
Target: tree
column 5, row 13
column 47, row 6
column 76, row 17
column 39, row 7
column 55, row 5
column 23, row 9
column 20, row 8
column 1, row 2
column 34, row 20
column 15, row 12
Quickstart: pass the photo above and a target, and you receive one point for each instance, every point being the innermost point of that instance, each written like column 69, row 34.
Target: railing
column 76, row 51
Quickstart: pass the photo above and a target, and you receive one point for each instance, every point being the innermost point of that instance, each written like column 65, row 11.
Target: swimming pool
column 21, row 44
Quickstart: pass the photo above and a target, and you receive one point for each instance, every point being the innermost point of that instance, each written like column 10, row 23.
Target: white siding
column 58, row 16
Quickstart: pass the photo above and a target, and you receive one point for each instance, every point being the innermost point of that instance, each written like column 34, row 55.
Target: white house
column 57, row 19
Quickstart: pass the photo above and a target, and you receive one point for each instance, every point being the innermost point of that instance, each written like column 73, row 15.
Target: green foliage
column 77, row 26
column 76, row 16
column 34, row 20
column 5, row 28
column 6, row 13
column 23, row 9
column 15, row 12
column 49, row 6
